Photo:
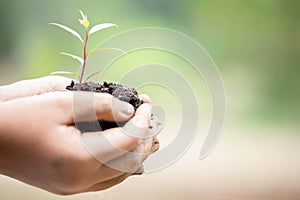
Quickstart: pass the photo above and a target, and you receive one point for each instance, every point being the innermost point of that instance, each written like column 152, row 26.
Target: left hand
column 33, row 87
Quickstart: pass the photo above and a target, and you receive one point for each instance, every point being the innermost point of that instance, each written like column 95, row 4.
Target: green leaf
column 73, row 56
column 93, row 74
column 68, row 29
column 100, row 27
column 82, row 15
column 103, row 49
column 65, row 73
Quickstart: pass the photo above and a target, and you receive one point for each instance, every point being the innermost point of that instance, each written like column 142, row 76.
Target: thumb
column 113, row 143
column 89, row 106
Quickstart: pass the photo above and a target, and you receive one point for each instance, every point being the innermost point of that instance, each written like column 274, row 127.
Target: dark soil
column 119, row 91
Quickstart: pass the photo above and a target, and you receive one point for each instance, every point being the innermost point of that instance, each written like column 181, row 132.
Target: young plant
column 85, row 23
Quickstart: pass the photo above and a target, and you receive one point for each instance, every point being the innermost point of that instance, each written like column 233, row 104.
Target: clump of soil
column 119, row 91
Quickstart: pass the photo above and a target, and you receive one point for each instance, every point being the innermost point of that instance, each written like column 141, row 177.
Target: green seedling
column 85, row 23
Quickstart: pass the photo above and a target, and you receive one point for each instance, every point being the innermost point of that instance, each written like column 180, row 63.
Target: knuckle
column 106, row 102
column 103, row 103
column 63, row 101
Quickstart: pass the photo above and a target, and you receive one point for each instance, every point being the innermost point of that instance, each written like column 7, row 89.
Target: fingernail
column 139, row 171
column 145, row 98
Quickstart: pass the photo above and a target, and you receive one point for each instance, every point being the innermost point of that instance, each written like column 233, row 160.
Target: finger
column 105, row 173
column 145, row 98
column 51, row 83
column 131, row 161
column 33, row 87
column 88, row 106
column 107, row 184
column 71, row 107
column 139, row 171
column 155, row 145
column 138, row 126
column 155, row 126
column 112, row 143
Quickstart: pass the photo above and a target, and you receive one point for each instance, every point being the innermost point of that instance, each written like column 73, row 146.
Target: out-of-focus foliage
column 256, row 44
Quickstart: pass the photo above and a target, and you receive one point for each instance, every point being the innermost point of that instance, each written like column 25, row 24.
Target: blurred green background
column 254, row 43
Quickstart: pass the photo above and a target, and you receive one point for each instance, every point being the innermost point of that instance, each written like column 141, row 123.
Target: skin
column 40, row 145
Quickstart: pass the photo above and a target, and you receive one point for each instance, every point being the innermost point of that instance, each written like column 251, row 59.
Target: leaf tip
column 82, row 15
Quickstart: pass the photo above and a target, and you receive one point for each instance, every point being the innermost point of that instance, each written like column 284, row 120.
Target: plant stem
column 84, row 58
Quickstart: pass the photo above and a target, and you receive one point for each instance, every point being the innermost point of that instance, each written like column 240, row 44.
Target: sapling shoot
column 86, row 24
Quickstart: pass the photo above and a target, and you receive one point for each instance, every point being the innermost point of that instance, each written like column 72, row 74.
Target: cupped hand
column 40, row 145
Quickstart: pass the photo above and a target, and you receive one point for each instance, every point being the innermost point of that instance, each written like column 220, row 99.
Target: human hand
column 37, row 86
column 41, row 146
column 33, row 87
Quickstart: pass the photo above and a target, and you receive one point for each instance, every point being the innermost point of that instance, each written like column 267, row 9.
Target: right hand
column 40, row 145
